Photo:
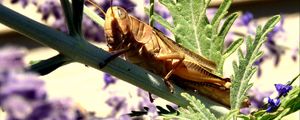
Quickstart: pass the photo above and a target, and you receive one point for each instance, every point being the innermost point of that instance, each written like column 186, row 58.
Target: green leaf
column 160, row 20
column 244, row 71
column 230, row 115
column 233, row 47
column 189, row 21
column 95, row 17
column 227, row 24
column 194, row 111
column 192, row 29
column 222, row 9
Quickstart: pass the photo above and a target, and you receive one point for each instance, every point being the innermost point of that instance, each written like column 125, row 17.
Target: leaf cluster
column 195, row 111
column 244, row 69
column 193, row 30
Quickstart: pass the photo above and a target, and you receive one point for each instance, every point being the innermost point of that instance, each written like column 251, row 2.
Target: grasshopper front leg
column 114, row 55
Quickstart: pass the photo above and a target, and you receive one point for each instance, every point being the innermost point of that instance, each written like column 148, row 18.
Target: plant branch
column 86, row 53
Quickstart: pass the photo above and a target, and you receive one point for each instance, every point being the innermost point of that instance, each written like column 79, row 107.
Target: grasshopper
column 149, row 48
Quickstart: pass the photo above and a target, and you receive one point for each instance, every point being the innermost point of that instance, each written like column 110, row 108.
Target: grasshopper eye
column 121, row 13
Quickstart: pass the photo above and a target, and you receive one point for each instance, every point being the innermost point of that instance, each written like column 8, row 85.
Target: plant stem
column 88, row 54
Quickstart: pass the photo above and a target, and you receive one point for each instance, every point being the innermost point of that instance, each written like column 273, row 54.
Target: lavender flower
column 50, row 8
column 256, row 98
column 273, row 104
column 283, row 89
column 272, row 46
column 245, row 19
column 22, row 94
column 91, row 30
column 145, row 102
column 11, row 58
column 108, row 79
column 24, row 3
column 62, row 109
column 26, row 85
column 118, row 104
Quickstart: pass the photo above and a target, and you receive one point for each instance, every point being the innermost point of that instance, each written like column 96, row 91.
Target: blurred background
column 87, row 86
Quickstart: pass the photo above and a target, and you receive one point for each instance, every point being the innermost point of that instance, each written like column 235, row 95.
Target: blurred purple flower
column 271, row 44
column 295, row 54
column 24, row 3
column 273, row 104
column 283, row 89
column 108, row 79
column 91, row 30
column 11, row 58
column 245, row 19
column 258, row 64
column 145, row 102
column 28, row 86
column 62, row 109
column 245, row 111
column 257, row 97
column 50, row 8
column 22, row 94
column 118, row 104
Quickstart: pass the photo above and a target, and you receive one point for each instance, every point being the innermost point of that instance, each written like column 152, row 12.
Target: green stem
column 68, row 16
column 151, row 22
column 291, row 82
column 46, row 66
column 88, row 54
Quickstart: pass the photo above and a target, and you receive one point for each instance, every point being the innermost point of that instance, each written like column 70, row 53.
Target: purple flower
column 152, row 111
column 108, row 79
column 62, row 109
column 23, row 2
column 283, row 89
column 273, row 104
column 271, row 45
column 91, row 30
column 117, row 103
column 11, row 58
column 22, row 94
column 50, row 8
column 245, row 19
column 26, row 85
column 257, row 97
column 245, row 111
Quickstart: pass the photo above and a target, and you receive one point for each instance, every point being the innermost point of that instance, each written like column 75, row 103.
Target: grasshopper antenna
column 97, row 6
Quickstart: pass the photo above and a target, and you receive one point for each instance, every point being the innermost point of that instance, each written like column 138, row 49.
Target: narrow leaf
column 227, row 24
column 222, row 9
column 161, row 20
column 233, row 47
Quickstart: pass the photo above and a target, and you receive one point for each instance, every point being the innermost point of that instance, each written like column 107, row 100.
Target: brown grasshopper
column 149, row 48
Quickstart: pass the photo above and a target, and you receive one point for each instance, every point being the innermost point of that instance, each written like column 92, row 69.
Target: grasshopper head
column 117, row 26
